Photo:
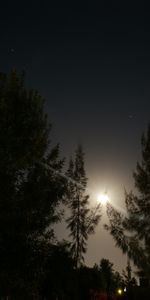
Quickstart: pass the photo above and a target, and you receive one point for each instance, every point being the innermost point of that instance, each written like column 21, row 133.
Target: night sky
column 91, row 62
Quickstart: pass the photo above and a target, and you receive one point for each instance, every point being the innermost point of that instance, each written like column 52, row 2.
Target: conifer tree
column 30, row 189
column 82, row 219
column 107, row 274
column 132, row 230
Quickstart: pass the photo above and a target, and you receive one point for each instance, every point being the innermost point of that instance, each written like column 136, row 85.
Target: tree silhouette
column 59, row 275
column 132, row 230
column 82, row 219
column 30, row 187
column 106, row 270
column 127, row 275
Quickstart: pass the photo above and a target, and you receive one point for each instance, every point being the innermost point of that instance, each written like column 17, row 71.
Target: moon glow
column 103, row 199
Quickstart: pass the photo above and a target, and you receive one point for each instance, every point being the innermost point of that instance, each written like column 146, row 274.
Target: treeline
column 63, row 281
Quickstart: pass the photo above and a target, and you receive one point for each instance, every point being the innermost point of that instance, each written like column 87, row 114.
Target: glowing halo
column 103, row 199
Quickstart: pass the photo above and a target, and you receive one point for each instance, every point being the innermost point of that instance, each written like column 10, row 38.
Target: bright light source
column 103, row 199
column 120, row 291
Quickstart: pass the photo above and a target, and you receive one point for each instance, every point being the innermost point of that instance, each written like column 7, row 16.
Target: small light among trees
column 119, row 291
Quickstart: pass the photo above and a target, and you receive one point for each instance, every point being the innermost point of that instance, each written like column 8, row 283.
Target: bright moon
column 103, row 199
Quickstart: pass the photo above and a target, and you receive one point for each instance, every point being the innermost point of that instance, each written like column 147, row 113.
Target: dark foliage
column 132, row 231
column 59, row 280
column 30, row 187
column 82, row 219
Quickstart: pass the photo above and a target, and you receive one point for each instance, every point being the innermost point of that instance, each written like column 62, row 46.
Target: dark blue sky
column 92, row 64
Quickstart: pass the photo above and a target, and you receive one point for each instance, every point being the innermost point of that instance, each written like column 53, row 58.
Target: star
column 12, row 50
column 131, row 116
